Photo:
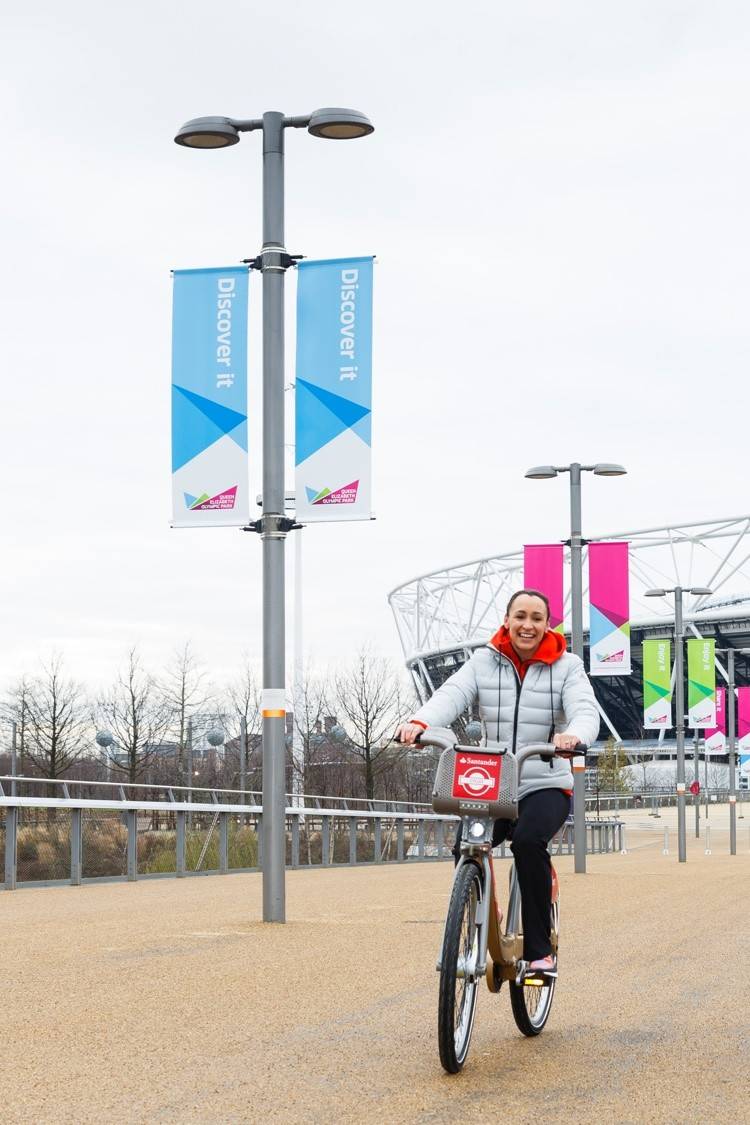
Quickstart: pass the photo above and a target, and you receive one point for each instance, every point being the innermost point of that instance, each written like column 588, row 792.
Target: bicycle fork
column 475, row 964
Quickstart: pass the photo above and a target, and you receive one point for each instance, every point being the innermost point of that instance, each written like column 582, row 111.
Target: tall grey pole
column 731, row 734
column 13, row 758
column 679, row 691
column 697, row 798
column 576, row 644
column 272, row 522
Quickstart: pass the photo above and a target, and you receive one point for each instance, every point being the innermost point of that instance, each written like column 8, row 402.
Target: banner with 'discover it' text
column 333, row 395
column 716, row 737
column 701, row 683
column 657, row 684
column 609, row 610
column 209, row 398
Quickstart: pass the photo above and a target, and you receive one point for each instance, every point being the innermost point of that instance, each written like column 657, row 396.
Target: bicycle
column 480, row 784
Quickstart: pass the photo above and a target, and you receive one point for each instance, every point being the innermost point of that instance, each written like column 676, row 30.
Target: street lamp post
column 273, row 261
column 679, row 696
column 544, row 472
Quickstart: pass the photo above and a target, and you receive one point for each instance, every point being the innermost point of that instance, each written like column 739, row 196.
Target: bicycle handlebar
column 446, row 740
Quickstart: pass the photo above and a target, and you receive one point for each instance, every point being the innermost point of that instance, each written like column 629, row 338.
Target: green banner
column 701, row 683
column 657, row 684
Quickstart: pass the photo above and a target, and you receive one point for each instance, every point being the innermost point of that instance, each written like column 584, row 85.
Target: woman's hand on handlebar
column 565, row 744
column 409, row 733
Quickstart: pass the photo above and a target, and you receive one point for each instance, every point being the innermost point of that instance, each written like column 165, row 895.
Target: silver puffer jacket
column 552, row 699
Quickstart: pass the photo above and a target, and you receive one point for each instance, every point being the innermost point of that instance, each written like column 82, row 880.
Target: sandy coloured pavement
column 166, row 1001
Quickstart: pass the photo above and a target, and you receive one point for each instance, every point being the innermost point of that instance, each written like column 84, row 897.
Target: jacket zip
column 519, row 681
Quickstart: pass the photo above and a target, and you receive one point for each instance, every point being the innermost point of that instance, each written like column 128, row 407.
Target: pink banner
column 543, row 571
column 609, row 609
column 743, row 719
column 716, row 737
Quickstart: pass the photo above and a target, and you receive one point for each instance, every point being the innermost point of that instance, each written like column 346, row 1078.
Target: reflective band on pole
column 273, row 703
column 578, row 767
column 732, row 800
column 681, row 787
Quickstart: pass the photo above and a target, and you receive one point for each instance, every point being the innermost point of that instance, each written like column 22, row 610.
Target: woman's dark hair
column 530, row 594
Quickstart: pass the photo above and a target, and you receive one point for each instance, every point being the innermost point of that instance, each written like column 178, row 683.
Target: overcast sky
column 557, row 195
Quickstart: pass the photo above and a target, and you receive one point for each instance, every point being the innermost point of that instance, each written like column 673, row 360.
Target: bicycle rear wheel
column 458, row 969
column 532, row 1003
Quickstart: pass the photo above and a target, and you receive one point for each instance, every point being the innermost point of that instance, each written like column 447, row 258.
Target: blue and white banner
column 334, row 390
column 210, row 485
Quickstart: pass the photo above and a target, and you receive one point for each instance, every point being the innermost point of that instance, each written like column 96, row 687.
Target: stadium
column 443, row 616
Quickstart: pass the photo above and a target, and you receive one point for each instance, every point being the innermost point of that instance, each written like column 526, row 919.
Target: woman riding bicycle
column 529, row 690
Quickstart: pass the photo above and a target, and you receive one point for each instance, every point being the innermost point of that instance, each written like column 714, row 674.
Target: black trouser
column 539, row 817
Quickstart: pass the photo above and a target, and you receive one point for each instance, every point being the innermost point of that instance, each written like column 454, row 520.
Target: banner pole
column 576, row 644
column 679, row 720
column 273, row 532
column 731, row 748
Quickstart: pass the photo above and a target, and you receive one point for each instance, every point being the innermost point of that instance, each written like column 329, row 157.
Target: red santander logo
column 476, row 776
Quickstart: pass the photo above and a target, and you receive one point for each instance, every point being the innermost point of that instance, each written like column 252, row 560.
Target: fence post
column 325, row 838
column 439, row 838
column 708, row 840
column 295, row 841
column 180, row 857
column 223, row 843
column 132, row 817
column 665, row 849
column 400, row 839
column 259, row 834
column 378, row 839
column 76, row 841
column 11, row 847
column 353, row 839
column 420, row 839
column 623, row 841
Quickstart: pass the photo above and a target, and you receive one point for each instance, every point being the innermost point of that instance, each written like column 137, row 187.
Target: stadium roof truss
column 459, row 607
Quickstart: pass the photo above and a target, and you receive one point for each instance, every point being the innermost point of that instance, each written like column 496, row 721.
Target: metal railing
column 139, row 831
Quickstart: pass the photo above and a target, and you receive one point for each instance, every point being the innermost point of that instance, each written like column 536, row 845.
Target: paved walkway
column 165, row 1001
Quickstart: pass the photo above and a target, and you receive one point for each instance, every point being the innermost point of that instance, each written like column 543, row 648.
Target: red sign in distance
column 695, row 788
column 476, row 777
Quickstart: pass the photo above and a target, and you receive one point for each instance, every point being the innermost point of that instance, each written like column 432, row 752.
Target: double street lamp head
column 658, row 592
column 221, row 132
column 600, row 469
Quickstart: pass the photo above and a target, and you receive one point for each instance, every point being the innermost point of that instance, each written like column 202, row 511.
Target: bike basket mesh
column 503, row 804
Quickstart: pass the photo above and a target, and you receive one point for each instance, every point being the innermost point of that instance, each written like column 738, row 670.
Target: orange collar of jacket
column 551, row 648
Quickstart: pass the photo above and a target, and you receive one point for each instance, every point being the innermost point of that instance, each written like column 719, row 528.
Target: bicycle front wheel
column 532, row 1003
column 459, row 969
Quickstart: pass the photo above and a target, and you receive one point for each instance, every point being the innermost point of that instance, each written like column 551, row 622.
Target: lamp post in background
column 679, row 695
column 732, row 743
column 545, row 472
column 273, row 526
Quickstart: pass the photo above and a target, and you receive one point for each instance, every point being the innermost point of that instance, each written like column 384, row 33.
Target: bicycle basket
column 471, row 779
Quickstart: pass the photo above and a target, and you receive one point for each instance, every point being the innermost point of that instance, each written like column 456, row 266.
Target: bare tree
column 15, row 709
column 184, row 690
column 137, row 716
column 241, row 709
column 58, row 728
column 369, row 702
column 310, row 721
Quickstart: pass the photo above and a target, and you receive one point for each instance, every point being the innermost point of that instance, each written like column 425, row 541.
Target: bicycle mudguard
column 479, row 781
